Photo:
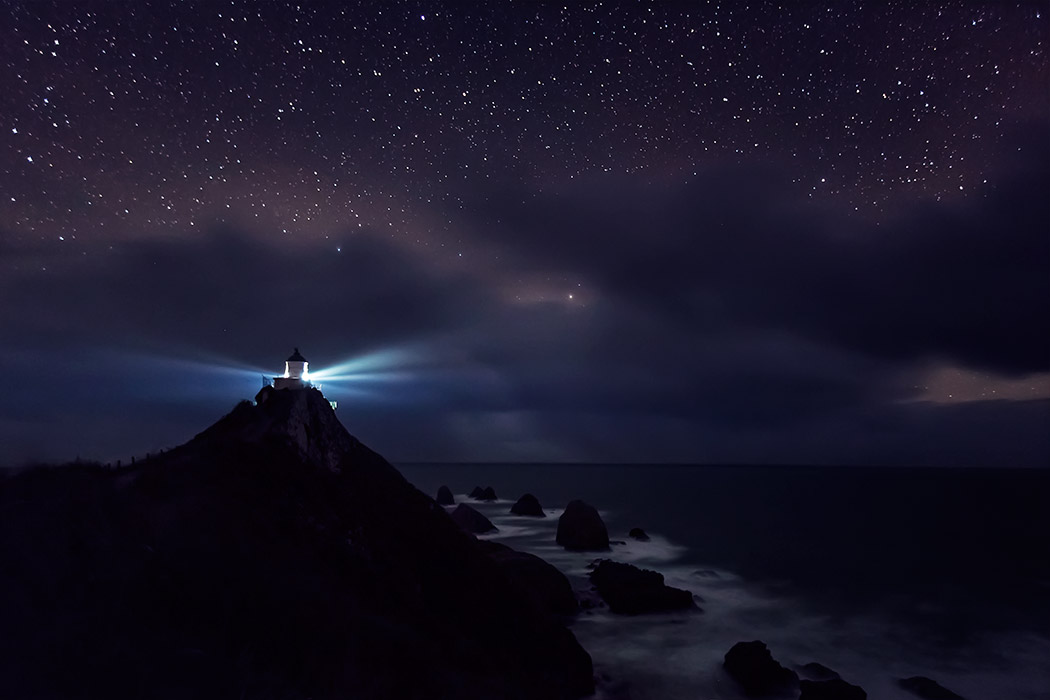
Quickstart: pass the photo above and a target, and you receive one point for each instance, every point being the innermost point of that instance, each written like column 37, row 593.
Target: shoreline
column 866, row 646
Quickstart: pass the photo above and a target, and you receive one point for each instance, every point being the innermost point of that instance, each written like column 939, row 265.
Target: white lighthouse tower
column 296, row 376
column 296, row 373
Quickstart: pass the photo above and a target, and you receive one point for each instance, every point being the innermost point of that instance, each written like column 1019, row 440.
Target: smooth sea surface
column 877, row 573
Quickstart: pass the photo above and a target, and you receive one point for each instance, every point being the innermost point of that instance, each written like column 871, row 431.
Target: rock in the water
column 538, row 580
column 471, row 520
column 638, row 533
column 831, row 689
column 817, row 672
column 444, row 497
column 528, row 505
column 580, row 528
column 589, row 599
column 754, row 668
column 632, row 591
column 483, row 494
column 927, row 688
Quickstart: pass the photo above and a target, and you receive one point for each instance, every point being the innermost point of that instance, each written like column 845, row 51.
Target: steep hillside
column 272, row 556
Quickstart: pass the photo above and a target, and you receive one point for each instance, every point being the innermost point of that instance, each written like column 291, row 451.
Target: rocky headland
column 273, row 555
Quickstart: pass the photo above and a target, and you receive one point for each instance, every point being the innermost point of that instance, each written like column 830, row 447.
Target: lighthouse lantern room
column 296, row 376
column 296, row 373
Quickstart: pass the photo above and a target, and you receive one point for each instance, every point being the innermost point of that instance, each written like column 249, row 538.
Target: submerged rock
column 927, row 688
column 831, row 689
column 817, row 672
column 471, row 520
column 542, row 582
column 528, row 505
column 638, row 533
column 758, row 673
column 581, row 529
column 444, row 497
column 589, row 599
column 632, row 591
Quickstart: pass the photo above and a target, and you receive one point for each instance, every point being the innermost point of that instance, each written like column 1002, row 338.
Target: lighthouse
column 296, row 373
column 296, row 376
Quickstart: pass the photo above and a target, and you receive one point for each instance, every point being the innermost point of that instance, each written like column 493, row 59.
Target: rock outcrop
column 638, row 533
column 273, row 555
column 444, row 497
column 758, row 673
column 831, row 689
column 483, row 494
column 538, row 580
column 927, row 688
column 580, row 528
column 528, row 505
column 629, row 590
column 471, row 520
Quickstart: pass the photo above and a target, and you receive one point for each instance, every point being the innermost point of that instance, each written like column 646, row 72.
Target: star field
column 131, row 119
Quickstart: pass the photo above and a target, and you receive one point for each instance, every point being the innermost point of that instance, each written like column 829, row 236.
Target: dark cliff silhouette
column 272, row 556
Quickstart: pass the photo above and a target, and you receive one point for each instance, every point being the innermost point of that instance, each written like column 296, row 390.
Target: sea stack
column 444, row 497
column 580, row 528
column 528, row 505
column 471, row 520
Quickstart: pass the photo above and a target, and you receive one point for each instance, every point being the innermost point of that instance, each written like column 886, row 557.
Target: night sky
column 689, row 232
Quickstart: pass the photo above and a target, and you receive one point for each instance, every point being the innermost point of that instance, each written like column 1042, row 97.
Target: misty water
column 879, row 574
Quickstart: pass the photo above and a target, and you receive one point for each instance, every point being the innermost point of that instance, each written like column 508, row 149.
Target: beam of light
column 388, row 365
column 184, row 377
column 390, row 376
column 418, row 373
column 218, row 368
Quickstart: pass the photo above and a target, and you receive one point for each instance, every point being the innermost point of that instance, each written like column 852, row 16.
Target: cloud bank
column 720, row 320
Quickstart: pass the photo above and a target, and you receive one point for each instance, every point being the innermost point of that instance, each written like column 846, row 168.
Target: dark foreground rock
column 471, row 520
column 542, row 582
column 528, row 505
column 444, row 497
column 629, row 590
column 754, row 668
column 273, row 556
column 927, row 688
column 580, row 528
column 638, row 533
column 831, row 689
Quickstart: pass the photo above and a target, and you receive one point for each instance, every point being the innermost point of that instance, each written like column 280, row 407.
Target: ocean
column 877, row 573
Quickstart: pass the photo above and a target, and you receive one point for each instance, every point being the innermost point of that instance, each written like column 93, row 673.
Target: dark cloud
column 965, row 282
column 724, row 323
column 112, row 345
column 227, row 292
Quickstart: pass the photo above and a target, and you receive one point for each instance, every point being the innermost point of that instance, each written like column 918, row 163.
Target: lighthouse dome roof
column 296, row 357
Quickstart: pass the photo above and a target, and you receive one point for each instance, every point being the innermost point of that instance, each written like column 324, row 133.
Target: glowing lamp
column 296, row 373
column 296, row 366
